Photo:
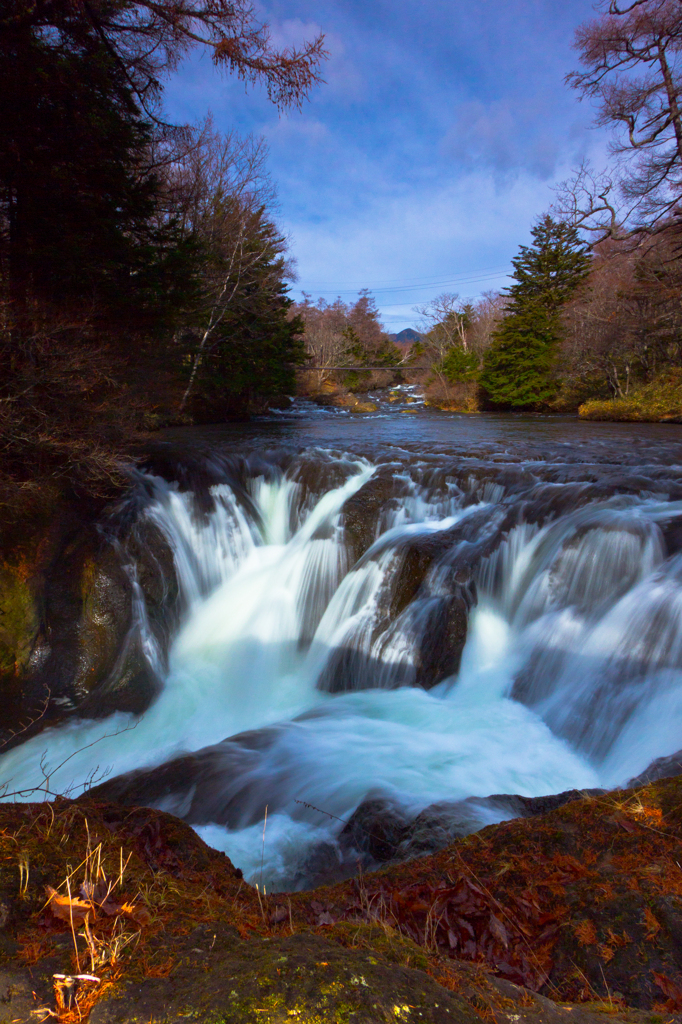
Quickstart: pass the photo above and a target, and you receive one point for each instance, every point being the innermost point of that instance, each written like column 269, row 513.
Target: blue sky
column 421, row 164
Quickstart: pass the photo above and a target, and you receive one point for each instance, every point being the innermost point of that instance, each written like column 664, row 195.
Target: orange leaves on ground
column 651, row 924
column 67, row 909
column 160, row 970
column 464, row 920
column 586, row 933
column 671, row 990
column 617, row 940
column 77, row 911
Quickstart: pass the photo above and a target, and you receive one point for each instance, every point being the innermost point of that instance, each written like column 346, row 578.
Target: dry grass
column 659, row 401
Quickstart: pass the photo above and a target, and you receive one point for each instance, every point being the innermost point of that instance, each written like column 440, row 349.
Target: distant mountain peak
column 406, row 337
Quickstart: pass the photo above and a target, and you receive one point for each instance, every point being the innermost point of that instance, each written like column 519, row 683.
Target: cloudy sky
column 420, row 165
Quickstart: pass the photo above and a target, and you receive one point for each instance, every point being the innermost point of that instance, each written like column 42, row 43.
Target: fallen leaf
column 498, row 930
column 67, row 909
column 670, row 988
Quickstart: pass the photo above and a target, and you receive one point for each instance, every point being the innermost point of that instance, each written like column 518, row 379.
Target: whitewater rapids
column 570, row 677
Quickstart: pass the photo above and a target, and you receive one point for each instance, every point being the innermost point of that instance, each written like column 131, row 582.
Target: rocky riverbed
column 575, row 914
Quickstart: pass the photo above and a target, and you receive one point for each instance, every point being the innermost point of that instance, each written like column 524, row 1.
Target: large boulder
column 662, row 768
column 74, row 598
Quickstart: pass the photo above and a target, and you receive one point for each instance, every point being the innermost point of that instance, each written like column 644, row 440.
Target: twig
column 262, row 852
column 43, row 788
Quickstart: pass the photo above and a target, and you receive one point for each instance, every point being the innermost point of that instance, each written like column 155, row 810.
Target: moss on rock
column 18, row 618
column 305, row 978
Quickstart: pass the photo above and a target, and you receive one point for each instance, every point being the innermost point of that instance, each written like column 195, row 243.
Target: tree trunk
column 672, row 99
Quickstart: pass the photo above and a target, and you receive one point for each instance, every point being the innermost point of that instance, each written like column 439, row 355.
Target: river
column 410, row 607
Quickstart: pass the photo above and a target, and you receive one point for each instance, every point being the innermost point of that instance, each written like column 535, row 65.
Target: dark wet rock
column 426, row 598
column 362, row 511
column 434, row 591
column 442, row 642
column 317, row 472
column 89, row 650
column 662, row 768
column 76, row 621
column 350, row 668
column 437, row 826
column 457, row 552
column 376, row 827
column 380, row 829
column 217, row 784
column 326, row 864
column 434, row 626
column 417, row 557
column 672, row 534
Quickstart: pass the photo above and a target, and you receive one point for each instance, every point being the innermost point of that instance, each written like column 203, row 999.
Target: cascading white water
column 572, row 661
column 235, row 663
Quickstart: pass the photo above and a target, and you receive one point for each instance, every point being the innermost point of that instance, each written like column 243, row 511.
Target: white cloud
column 467, row 228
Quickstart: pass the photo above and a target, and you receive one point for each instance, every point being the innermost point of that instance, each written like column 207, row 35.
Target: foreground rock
column 580, row 905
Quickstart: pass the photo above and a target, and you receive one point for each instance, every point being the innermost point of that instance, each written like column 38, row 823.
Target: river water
column 409, row 606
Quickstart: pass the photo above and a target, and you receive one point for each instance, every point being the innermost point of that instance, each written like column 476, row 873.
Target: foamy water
column 571, row 676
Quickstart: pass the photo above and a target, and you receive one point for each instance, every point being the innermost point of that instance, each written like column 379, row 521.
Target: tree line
column 595, row 308
column 338, row 334
column 143, row 278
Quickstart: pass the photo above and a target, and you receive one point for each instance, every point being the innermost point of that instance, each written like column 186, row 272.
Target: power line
column 485, row 275
column 427, row 280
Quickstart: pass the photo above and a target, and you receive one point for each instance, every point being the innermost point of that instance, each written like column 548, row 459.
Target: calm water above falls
column 419, row 607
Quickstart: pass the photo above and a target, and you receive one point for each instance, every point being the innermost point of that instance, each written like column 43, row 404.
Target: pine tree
column 517, row 368
column 552, row 267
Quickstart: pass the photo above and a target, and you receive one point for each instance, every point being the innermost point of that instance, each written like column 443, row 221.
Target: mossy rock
column 363, row 407
column 306, row 978
column 18, row 619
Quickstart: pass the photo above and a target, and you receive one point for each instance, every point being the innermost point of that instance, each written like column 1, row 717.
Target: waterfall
column 304, row 679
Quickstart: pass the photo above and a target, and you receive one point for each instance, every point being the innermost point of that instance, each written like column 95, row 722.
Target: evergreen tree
column 458, row 364
column 552, row 267
column 517, row 368
column 76, row 203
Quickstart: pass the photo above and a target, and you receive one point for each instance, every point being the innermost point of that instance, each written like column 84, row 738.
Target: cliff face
column 68, row 575
column 580, row 906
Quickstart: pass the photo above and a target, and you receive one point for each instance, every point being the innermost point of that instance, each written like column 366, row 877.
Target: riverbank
column 657, row 402
column 582, row 906
column 358, row 391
